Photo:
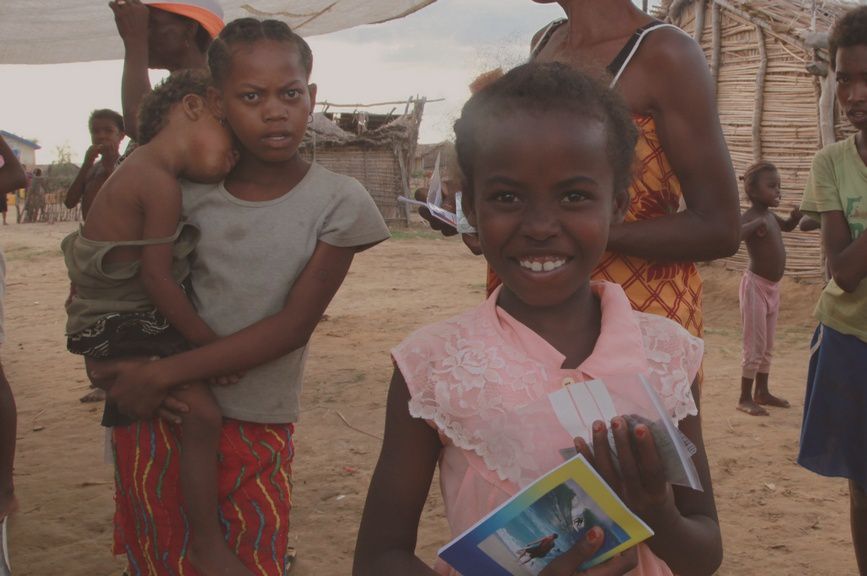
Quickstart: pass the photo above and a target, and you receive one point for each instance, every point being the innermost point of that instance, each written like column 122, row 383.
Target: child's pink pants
column 760, row 304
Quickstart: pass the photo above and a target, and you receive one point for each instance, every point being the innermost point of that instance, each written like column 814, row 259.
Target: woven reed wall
column 378, row 170
column 789, row 130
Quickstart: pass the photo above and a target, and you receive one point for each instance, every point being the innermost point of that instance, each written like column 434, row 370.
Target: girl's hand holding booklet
column 555, row 511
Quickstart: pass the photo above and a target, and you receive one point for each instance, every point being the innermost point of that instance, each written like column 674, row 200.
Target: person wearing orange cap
column 167, row 35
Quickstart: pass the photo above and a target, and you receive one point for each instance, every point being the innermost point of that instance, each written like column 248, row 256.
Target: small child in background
column 545, row 154
column 834, row 433
column 128, row 263
column 759, row 292
column 106, row 134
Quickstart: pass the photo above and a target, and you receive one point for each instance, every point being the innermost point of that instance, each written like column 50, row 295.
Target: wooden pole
column 826, row 108
column 758, row 110
column 716, row 43
column 699, row 20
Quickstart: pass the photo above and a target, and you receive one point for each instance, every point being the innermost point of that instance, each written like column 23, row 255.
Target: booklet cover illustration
column 544, row 520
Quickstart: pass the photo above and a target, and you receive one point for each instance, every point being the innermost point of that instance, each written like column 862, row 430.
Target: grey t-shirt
column 249, row 256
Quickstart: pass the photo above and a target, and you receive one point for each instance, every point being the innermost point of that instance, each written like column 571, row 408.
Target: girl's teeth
column 539, row 266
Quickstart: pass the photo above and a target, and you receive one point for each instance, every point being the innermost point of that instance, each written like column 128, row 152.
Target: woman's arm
column 12, row 176
column 131, row 19
column 847, row 258
column 398, row 490
column 684, row 108
column 161, row 205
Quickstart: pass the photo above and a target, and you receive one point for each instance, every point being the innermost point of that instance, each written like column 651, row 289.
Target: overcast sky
column 433, row 53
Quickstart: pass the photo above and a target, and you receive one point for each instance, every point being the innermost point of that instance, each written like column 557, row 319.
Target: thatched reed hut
column 376, row 149
column 775, row 91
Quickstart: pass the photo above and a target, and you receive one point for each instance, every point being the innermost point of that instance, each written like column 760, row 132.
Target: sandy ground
column 777, row 519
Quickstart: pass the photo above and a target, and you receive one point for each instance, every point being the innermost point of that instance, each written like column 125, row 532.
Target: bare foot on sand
column 95, row 395
column 217, row 560
column 751, row 408
column 768, row 399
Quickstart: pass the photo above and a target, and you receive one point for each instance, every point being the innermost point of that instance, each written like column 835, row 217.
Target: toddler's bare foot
column 768, row 399
column 215, row 559
column 751, row 408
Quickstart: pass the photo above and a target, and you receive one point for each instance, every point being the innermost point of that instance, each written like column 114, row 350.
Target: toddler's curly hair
column 155, row 106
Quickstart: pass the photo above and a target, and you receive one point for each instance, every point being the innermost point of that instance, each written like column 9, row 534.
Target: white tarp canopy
column 56, row 31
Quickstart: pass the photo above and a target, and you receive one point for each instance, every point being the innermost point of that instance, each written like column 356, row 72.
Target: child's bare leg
column 746, row 402
column 8, row 417
column 202, row 425
column 763, row 396
column 858, row 514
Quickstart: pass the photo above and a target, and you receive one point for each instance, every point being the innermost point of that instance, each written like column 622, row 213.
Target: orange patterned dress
column 670, row 289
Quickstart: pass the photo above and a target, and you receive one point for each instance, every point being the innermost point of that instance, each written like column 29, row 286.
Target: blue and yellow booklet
column 544, row 520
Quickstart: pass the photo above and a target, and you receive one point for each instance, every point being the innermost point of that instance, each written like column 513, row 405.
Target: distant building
column 24, row 150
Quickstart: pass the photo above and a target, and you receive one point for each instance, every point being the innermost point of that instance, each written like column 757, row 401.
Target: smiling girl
column 546, row 155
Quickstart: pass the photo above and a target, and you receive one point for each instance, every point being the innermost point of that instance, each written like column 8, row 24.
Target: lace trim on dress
column 470, row 389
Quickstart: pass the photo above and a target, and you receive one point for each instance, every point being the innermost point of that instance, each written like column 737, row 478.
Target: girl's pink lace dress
column 467, row 375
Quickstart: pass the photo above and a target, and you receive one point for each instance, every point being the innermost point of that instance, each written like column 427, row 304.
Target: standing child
column 759, row 293
column 277, row 239
column 834, row 433
column 34, row 201
column 128, row 262
column 106, row 134
column 546, row 156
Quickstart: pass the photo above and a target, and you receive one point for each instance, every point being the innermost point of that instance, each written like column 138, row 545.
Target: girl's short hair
column 850, row 30
column 543, row 88
column 248, row 31
column 155, row 106
column 752, row 174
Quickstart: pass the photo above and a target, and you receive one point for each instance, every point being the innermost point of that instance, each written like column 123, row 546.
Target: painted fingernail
column 640, row 432
column 594, row 535
column 615, row 424
column 598, row 426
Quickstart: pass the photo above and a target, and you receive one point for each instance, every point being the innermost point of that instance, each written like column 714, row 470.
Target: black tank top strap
column 621, row 61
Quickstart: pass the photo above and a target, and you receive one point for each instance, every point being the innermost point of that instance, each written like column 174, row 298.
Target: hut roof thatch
column 789, row 20
column 402, row 129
